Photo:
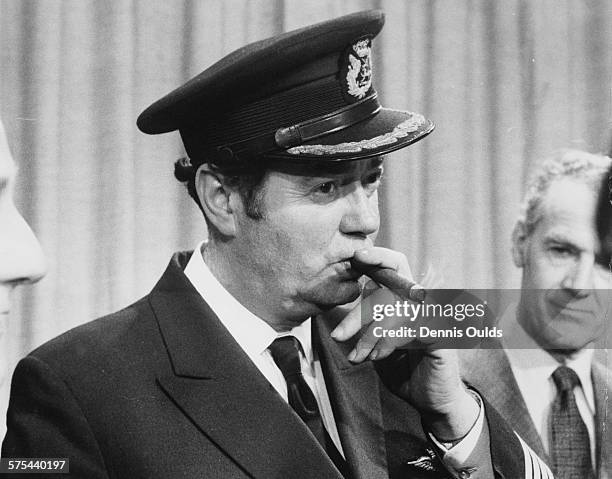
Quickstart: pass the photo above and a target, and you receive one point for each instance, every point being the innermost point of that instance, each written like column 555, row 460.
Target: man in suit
column 563, row 309
column 228, row 369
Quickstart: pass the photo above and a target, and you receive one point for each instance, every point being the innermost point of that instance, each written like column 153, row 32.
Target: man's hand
column 437, row 392
column 434, row 388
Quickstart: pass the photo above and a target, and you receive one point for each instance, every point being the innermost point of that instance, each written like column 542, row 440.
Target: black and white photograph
column 276, row 239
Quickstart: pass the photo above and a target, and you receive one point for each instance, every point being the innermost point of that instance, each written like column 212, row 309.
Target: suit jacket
column 489, row 371
column 161, row 389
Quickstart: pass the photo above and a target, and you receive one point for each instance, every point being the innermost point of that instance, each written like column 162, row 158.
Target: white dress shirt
column 254, row 336
column 533, row 368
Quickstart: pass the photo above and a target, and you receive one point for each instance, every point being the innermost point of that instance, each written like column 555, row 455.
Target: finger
column 387, row 343
column 388, row 277
column 350, row 317
column 349, row 326
column 400, row 285
column 445, row 355
column 383, row 258
column 364, row 347
column 382, row 351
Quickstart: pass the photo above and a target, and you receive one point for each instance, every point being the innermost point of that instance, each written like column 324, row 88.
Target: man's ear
column 214, row 197
column 519, row 243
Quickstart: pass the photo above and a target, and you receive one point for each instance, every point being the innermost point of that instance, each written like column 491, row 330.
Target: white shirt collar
column 251, row 332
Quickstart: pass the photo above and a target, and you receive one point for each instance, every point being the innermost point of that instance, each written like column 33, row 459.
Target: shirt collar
column 251, row 332
column 303, row 335
column 582, row 363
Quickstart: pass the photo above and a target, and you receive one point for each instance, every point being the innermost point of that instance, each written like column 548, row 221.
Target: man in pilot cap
column 240, row 362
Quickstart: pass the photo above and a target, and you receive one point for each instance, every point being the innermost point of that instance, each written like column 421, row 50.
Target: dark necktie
column 286, row 354
column 570, row 448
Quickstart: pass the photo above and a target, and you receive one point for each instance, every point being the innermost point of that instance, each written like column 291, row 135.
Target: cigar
column 389, row 278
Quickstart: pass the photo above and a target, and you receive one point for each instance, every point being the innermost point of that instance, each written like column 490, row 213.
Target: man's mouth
column 571, row 310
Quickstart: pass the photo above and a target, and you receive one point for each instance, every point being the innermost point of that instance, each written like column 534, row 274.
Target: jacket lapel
column 222, row 392
column 355, row 397
column 490, row 373
column 602, row 382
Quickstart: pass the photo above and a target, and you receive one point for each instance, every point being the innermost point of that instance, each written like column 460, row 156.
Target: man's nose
column 580, row 279
column 21, row 257
column 362, row 216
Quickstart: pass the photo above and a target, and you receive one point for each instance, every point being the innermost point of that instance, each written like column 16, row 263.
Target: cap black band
column 299, row 133
column 326, row 124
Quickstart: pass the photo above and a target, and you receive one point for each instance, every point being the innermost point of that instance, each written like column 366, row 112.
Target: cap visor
column 387, row 131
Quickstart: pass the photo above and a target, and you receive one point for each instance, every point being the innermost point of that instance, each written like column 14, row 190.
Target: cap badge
column 358, row 76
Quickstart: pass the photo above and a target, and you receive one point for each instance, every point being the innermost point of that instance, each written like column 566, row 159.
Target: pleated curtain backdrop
column 505, row 82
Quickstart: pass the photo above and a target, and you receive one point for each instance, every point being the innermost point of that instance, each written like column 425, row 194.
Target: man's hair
column 247, row 180
column 563, row 164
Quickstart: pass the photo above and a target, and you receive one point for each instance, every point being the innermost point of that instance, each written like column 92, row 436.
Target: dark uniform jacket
column 162, row 390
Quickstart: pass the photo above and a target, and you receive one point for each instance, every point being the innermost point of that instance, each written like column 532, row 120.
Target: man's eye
column 561, row 251
column 327, row 188
column 373, row 177
column 371, row 181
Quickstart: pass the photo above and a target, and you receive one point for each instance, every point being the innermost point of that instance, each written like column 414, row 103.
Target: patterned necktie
column 570, row 448
column 286, row 354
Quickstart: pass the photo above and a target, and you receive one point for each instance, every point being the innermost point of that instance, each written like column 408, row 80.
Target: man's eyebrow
column 373, row 164
column 563, row 239
column 308, row 180
column 350, row 175
column 559, row 238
